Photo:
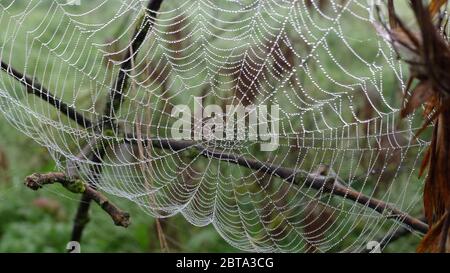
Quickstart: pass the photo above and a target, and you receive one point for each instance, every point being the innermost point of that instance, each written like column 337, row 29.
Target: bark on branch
column 81, row 218
column 35, row 88
column 394, row 236
column 121, row 83
column 37, row 181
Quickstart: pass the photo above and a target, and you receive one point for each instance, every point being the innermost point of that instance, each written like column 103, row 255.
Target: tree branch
column 35, row 88
column 394, row 236
column 121, row 83
column 296, row 177
column 37, row 181
column 81, row 218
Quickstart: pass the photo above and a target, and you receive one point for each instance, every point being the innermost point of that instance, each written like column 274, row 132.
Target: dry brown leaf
column 432, row 241
column 436, row 5
column 430, row 64
column 421, row 94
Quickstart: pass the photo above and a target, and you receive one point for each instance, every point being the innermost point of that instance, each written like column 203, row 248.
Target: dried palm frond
column 427, row 52
column 436, row 5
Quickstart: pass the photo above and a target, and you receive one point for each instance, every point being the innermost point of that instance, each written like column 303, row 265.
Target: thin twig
column 35, row 88
column 37, row 181
column 81, row 218
column 394, row 236
column 116, row 93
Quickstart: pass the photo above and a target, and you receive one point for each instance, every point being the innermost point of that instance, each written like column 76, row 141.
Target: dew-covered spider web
column 336, row 81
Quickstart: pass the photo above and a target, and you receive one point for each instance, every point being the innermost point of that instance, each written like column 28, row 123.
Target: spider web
column 336, row 81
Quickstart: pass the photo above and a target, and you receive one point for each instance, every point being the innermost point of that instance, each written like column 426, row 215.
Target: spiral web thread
column 336, row 81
